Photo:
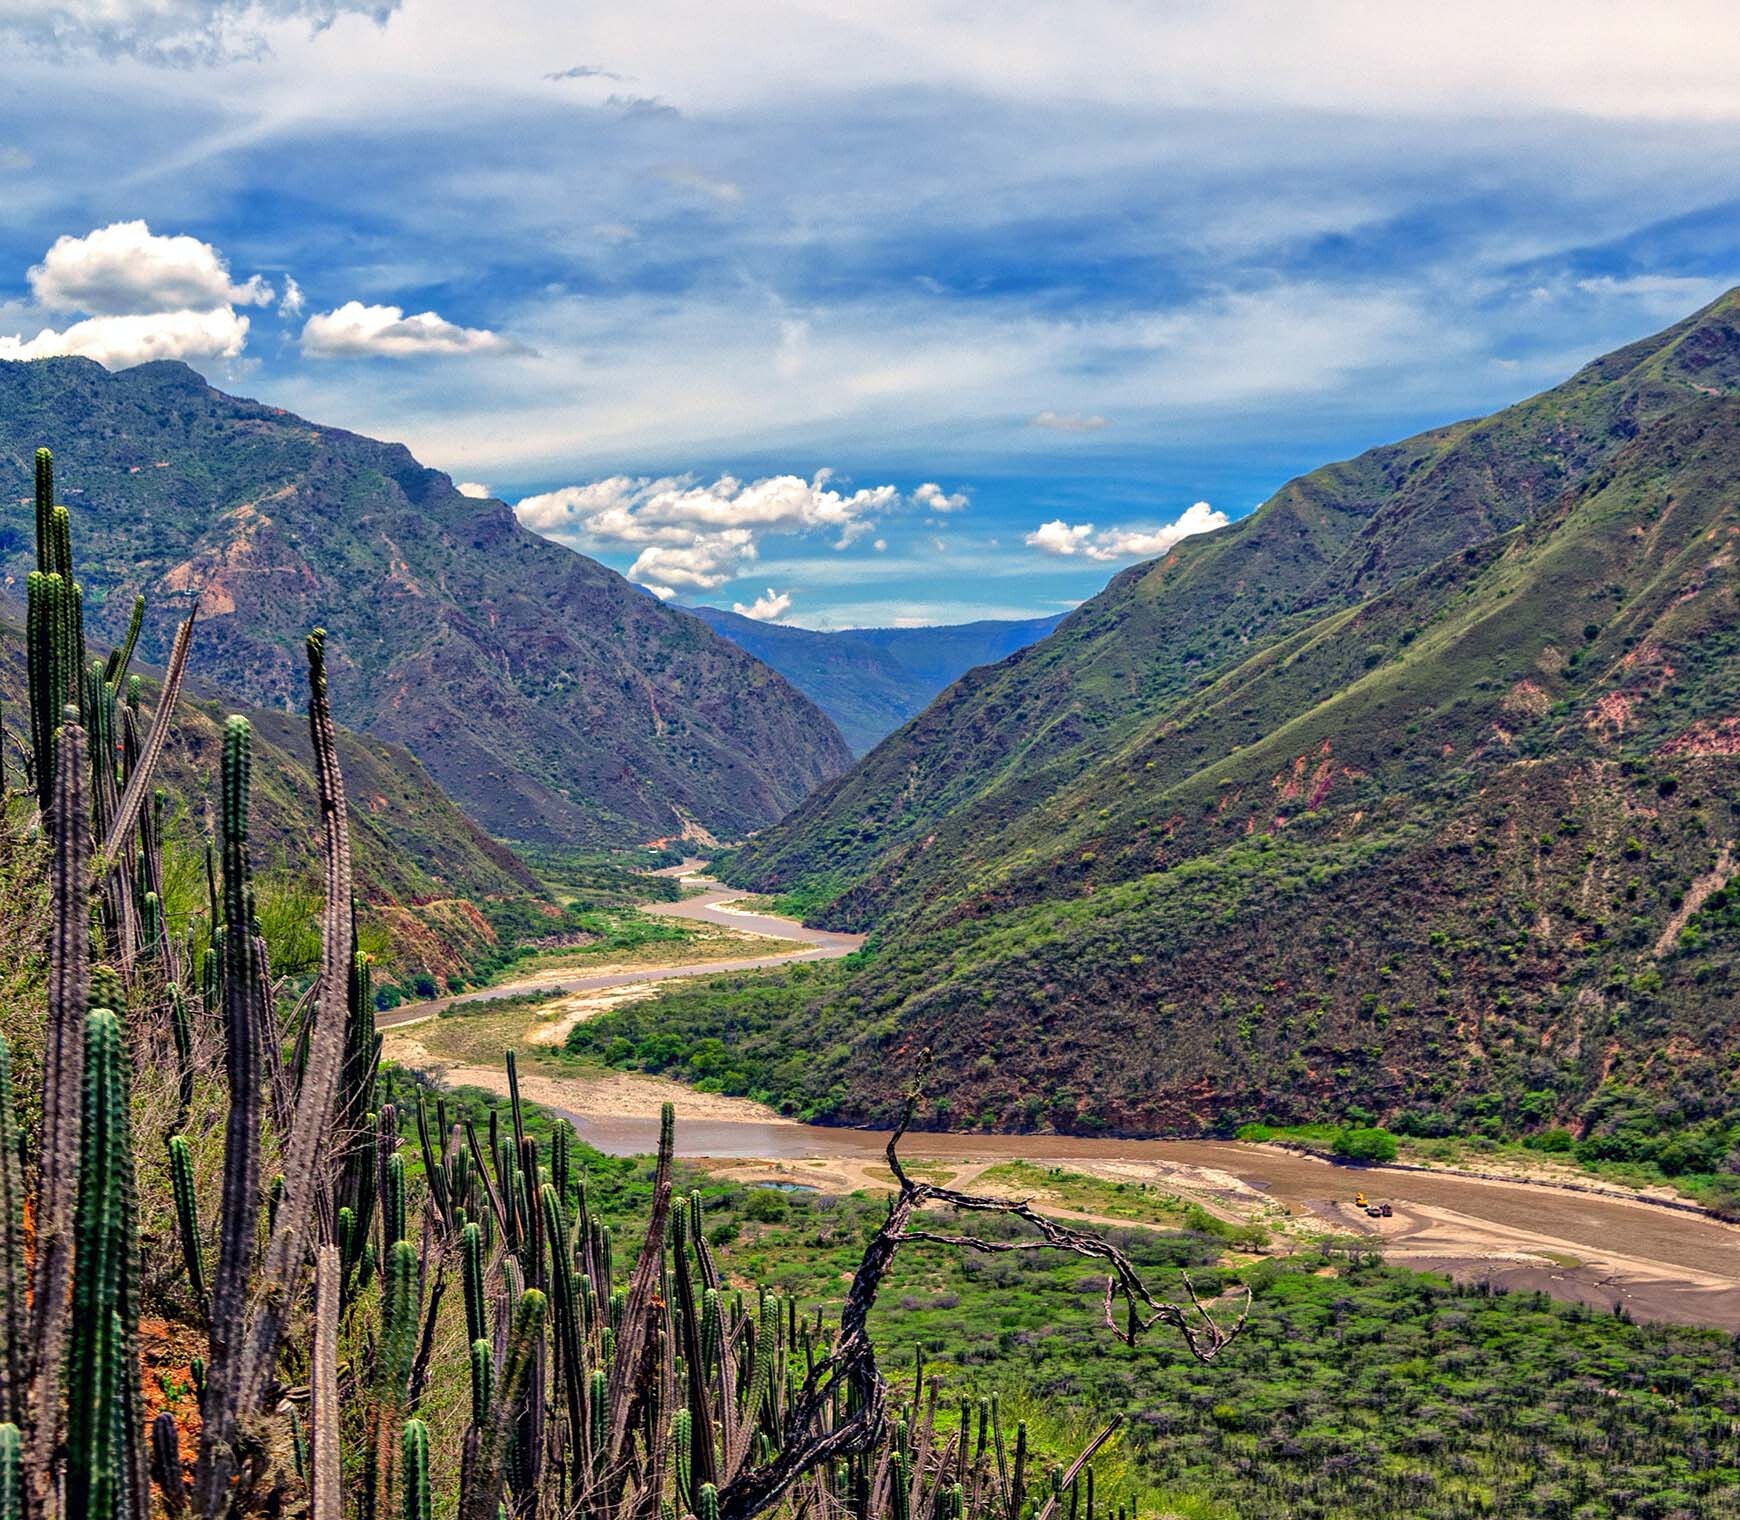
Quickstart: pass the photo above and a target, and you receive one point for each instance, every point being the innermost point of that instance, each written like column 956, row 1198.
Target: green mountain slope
column 555, row 701
column 990, row 764
column 1460, row 847
column 871, row 680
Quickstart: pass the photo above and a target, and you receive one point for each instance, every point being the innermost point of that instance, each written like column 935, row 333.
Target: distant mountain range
column 1413, row 793
column 552, row 699
column 872, row 680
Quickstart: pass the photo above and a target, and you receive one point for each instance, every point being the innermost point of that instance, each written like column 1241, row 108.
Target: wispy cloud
column 584, row 71
column 1067, row 422
column 688, row 177
column 171, row 33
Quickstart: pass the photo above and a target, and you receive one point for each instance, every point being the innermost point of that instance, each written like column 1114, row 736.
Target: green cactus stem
column 187, row 1219
column 96, row 1442
column 414, row 1487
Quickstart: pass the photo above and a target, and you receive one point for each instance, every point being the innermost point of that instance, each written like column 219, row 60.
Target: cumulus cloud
column 358, row 331
column 125, row 269
column 122, row 341
column 767, row 608
column 473, row 488
column 1066, row 539
column 169, row 33
column 933, row 498
column 142, row 296
column 1068, row 422
column 689, row 534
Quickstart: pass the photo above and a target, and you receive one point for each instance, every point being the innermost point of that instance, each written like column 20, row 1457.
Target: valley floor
column 1593, row 1247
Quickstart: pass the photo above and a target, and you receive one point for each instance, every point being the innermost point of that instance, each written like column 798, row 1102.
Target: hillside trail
column 1604, row 1250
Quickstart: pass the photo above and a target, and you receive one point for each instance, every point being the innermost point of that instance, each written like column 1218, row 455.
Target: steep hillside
column 1457, row 852
column 871, row 680
column 1010, row 741
column 555, row 701
column 412, row 845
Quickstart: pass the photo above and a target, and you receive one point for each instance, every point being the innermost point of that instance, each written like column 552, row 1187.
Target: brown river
column 1604, row 1249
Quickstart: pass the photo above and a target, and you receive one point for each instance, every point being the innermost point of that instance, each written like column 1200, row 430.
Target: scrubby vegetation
column 549, row 1383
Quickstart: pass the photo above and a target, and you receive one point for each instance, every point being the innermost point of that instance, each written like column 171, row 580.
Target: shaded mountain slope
column 554, row 700
column 412, row 844
column 871, row 680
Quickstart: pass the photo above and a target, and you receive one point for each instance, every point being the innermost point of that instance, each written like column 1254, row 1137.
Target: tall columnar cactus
column 11, row 1472
column 181, row 1030
column 480, row 1502
column 187, row 1219
column 44, row 504
column 244, row 1024
column 69, row 979
column 326, row 1502
column 99, row 1442
column 414, row 1478
column 471, row 1265
column 14, row 1309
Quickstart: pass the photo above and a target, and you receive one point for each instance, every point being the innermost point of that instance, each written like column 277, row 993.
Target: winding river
column 1601, row 1248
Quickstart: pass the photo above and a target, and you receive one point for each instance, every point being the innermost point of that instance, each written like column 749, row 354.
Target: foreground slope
column 554, row 701
column 1458, row 847
column 871, row 680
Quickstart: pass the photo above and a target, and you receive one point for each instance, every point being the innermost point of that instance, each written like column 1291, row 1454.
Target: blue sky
column 715, row 292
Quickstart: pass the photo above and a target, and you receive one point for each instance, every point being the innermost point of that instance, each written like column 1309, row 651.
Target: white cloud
column 1066, row 539
column 700, row 535
column 290, row 303
column 1068, row 422
column 145, row 297
column 357, row 331
column 767, row 608
column 1058, row 537
column 172, row 33
column 473, row 488
column 126, row 269
column 122, row 341
column 933, row 498
column 663, row 593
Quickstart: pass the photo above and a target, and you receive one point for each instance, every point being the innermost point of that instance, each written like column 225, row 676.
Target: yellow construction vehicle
column 1359, row 1200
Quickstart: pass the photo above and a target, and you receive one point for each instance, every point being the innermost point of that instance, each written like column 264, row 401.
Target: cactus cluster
column 661, row 1392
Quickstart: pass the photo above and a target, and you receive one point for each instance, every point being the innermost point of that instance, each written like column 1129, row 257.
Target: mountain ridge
column 872, row 680
column 555, row 701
